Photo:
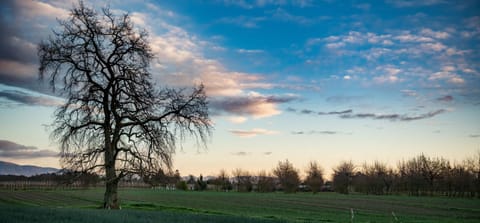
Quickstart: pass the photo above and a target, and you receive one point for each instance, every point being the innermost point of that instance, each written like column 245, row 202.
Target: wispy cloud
column 336, row 112
column 252, row 133
column 312, row 132
column 349, row 114
column 251, row 4
column 393, row 117
column 249, row 51
column 414, row 3
column 409, row 93
column 29, row 99
column 308, row 112
column 13, row 150
column 241, row 153
column 237, row 119
column 474, row 135
column 446, row 98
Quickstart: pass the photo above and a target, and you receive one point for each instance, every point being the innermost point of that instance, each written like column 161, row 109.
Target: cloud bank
column 11, row 149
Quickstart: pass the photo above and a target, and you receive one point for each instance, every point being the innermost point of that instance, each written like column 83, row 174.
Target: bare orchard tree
column 114, row 121
column 288, row 176
column 314, row 177
column 342, row 177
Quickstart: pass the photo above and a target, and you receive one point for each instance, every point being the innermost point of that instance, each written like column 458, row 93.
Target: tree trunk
column 111, row 181
column 111, row 187
column 111, row 198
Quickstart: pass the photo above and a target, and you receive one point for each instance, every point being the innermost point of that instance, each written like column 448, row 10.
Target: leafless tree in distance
column 114, row 120
column 288, row 176
column 314, row 177
column 343, row 176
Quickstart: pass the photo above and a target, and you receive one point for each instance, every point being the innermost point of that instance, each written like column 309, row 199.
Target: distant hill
column 7, row 168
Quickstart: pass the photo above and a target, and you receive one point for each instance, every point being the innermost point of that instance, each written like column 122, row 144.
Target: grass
column 145, row 205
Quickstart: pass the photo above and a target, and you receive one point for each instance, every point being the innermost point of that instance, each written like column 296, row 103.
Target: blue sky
column 299, row 80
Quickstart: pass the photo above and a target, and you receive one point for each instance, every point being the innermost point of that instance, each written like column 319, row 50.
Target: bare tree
column 265, row 182
column 114, row 120
column 223, row 181
column 314, row 177
column 473, row 164
column 288, row 176
column 243, row 180
column 342, row 177
column 379, row 178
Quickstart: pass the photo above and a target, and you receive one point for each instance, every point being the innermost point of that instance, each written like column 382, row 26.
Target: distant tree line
column 420, row 175
column 417, row 176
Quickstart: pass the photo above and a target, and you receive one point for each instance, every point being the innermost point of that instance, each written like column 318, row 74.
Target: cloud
column 35, row 9
column 414, row 3
column 15, row 71
column 446, row 98
column 252, row 133
column 267, row 153
column 407, row 37
column 393, row 117
column 237, row 119
column 315, row 132
column 474, row 135
column 308, row 112
column 409, row 93
column 29, row 99
column 336, row 112
column 386, row 79
column 254, row 104
column 447, row 75
column 349, row 114
column 182, row 63
column 14, row 48
column 18, row 56
column 13, row 150
column 352, row 38
column 245, row 51
column 435, row 34
column 436, row 47
column 402, row 49
column 241, row 153
column 250, row 4
column 181, row 60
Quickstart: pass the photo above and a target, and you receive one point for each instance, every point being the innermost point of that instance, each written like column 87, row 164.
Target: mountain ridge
column 9, row 168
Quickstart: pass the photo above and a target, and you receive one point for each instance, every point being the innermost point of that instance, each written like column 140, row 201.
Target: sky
column 324, row 81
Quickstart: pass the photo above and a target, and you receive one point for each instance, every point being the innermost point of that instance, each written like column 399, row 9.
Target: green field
column 145, row 205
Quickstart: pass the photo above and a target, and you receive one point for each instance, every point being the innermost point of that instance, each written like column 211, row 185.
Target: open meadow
column 146, row 205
